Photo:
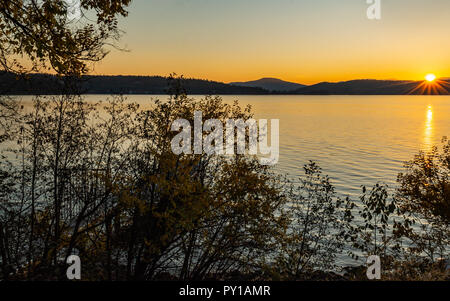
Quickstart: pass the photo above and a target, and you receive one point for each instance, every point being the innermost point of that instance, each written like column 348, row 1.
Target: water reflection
column 428, row 136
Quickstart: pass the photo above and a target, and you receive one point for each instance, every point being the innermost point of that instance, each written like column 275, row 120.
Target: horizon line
column 264, row 77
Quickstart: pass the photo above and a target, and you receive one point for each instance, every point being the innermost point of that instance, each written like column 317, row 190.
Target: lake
column 357, row 140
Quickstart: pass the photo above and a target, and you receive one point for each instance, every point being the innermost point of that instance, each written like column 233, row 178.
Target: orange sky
column 296, row 40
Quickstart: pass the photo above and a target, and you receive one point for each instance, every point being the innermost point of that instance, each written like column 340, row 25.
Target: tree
column 193, row 216
column 425, row 186
column 38, row 35
column 424, row 201
column 316, row 232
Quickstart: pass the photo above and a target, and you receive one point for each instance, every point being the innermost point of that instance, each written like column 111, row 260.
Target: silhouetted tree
column 425, row 186
column 39, row 35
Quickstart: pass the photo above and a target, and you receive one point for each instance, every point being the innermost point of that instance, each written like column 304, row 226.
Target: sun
column 430, row 77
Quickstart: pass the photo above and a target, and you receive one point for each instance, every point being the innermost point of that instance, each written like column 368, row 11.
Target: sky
column 304, row 41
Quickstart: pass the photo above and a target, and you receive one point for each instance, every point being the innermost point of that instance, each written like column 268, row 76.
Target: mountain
column 377, row 87
column 270, row 84
column 49, row 84
column 45, row 84
column 160, row 85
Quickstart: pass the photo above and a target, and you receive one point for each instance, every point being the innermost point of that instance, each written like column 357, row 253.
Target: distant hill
column 377, row 87
column 48, row 84
column 159, row 85
column 270, row 84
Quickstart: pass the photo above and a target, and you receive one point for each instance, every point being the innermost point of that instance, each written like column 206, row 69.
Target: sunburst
column 431, row 86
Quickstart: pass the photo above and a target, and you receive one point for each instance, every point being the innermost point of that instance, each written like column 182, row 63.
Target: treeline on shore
column 47, row 84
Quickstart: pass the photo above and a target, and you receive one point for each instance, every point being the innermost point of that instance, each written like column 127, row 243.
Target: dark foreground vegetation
column 100, row 181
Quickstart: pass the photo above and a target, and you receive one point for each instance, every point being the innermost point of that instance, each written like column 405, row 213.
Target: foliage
column 39, row 35
column 369, row 232
column 425, row 186
column 424, row 200
column 315, row 235
column 112, row 191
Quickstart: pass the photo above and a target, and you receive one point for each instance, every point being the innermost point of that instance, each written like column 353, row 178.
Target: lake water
column 357, row 140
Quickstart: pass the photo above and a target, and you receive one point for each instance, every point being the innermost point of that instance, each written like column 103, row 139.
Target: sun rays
column 431, row 86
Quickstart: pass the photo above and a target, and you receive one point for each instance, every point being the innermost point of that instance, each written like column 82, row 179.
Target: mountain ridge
column 377, row 87
column 270, row 84
column 45, row 84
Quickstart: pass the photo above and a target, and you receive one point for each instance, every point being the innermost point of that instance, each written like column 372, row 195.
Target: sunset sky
column 305, row 41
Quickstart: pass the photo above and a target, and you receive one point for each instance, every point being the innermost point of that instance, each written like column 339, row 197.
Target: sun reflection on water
column 428, row 135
